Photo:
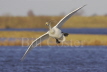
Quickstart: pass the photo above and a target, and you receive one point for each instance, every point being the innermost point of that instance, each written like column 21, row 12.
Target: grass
column 24, row 38
column 39, row 22
column 19, row 34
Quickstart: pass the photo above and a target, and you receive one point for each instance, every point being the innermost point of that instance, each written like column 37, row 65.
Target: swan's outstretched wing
column 35, row 43
column 63, row 20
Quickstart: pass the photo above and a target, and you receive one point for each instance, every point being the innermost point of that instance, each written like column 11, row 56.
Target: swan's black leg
column 65, row 34
column 57, row 41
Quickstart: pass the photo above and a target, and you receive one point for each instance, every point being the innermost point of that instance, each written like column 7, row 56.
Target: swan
column 54, row 32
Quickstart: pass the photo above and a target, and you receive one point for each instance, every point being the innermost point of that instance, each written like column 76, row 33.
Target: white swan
column 54, row 32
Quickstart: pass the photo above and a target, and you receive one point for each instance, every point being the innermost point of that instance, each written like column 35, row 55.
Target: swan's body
column 54, row 32
column 57, row 34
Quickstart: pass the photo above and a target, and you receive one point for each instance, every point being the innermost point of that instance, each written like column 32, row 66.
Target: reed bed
column 39, row 22
column 24, row 38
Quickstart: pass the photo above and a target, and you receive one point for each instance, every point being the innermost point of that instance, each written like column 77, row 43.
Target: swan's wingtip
column 22, row 58
column 85, row 5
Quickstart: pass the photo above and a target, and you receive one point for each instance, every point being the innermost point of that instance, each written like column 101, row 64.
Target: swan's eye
column 47, row 23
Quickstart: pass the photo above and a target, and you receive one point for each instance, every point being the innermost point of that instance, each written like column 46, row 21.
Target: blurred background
column 24, row 18
column 22, row 21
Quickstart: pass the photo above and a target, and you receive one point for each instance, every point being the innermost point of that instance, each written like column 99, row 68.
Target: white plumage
column 54, row 32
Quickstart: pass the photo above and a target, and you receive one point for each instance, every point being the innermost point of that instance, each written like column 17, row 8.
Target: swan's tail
column 63, row 39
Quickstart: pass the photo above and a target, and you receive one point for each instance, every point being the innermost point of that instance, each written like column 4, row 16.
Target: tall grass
column 24, row 38
column 39, row 22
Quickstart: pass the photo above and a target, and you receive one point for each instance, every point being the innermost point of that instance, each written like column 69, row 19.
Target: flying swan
column 54, row 32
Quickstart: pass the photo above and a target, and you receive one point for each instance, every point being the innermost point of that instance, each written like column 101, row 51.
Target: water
column 86, row 30
column 12, row 29
column 68, row 30
column 54, row 59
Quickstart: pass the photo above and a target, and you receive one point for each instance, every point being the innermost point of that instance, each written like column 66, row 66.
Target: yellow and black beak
column 47, row 23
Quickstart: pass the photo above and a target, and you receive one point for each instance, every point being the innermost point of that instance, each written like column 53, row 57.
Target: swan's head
column 47, row 24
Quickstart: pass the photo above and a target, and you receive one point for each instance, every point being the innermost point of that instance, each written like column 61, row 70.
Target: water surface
column 67, row 30
column 54, row 59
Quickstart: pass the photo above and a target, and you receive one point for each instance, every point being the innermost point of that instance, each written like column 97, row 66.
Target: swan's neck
column 51, row 30
column 50, row 27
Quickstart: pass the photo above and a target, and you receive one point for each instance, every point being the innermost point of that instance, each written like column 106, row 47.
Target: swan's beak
column 47, row 23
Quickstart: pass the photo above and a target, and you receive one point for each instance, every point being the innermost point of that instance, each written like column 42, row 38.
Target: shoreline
column 19, row 38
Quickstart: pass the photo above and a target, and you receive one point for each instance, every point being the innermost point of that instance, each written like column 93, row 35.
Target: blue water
column 54, row 59
column 12, row 29
column 86, row 30
column 68, row 30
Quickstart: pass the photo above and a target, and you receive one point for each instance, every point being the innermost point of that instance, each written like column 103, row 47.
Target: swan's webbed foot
column 65, row 34
column 57, row 41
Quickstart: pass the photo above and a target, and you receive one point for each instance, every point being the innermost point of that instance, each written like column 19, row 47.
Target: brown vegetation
column 39, row 22
column 24, row 38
